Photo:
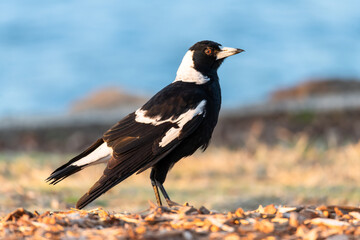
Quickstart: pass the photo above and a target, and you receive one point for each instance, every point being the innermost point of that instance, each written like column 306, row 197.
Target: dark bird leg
column 155, row 187
column 157, row 176
column 166, row 196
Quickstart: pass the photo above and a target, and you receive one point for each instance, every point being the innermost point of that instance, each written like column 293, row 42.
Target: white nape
column 184, row 118
column 187, row 73
column 101, row 154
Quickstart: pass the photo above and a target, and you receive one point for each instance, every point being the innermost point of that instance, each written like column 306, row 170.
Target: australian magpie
column 173, row 124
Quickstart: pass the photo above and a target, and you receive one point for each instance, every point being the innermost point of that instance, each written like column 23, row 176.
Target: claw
column 172, row 203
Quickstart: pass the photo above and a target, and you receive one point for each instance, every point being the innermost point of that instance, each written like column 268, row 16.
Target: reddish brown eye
column 208, row 51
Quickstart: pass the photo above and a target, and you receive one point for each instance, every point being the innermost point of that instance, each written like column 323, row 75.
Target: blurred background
column 290, row 123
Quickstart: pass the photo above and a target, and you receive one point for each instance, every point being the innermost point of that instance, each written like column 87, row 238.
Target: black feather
column 67, row 169
column 135, row 149
column 138, row 145
column 62, row 174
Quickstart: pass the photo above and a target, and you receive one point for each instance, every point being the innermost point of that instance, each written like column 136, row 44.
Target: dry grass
column 302, row 172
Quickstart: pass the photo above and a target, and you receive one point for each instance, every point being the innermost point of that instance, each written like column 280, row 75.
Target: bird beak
column 227, row 51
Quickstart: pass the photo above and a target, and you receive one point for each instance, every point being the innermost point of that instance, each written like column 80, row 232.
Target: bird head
column 208, row 55
column 202, row 61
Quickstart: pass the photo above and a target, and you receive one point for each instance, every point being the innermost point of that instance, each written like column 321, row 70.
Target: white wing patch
column 187, row 73
column 102, row 154
column 184, row 118
column 141, row 118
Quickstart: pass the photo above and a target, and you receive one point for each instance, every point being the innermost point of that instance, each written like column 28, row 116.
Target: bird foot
column 152, row 205
column 171, row 203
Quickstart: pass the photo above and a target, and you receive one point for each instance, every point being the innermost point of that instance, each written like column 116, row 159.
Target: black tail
column 99, row 188
column 67, row 169
column 120, row 168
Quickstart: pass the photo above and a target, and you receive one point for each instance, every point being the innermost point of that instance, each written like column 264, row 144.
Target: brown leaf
column 264, row 226
column 270, row 209
column 18, row 213
column 204, row 210
column 239, row 212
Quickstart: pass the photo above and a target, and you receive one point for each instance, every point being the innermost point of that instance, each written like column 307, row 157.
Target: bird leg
column 157, row 177
column 156, row 191
column 166, row 196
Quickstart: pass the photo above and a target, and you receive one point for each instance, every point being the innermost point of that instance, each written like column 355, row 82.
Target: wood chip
column 328, row 222
column 186, row 222
column 18, row 213
column 355, row 215
column 287, row 209
column 270, row 209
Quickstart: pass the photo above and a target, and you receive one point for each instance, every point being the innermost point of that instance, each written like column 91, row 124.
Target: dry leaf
column 186, row 222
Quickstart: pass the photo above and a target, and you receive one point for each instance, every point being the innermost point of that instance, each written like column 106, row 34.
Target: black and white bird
column 173, row 124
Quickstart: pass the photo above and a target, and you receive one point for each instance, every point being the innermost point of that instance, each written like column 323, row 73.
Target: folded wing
column 143, row 138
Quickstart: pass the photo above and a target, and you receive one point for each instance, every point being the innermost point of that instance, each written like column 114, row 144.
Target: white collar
column 187, row 73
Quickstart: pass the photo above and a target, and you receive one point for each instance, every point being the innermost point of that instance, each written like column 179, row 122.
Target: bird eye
column 208, row 51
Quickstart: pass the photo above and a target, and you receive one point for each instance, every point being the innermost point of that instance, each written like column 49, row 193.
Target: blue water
column 53, row 52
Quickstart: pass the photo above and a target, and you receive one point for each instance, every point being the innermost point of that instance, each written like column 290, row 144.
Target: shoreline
column 330, row 118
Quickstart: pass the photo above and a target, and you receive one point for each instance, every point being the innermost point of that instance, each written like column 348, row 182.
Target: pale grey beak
column 227, row 51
